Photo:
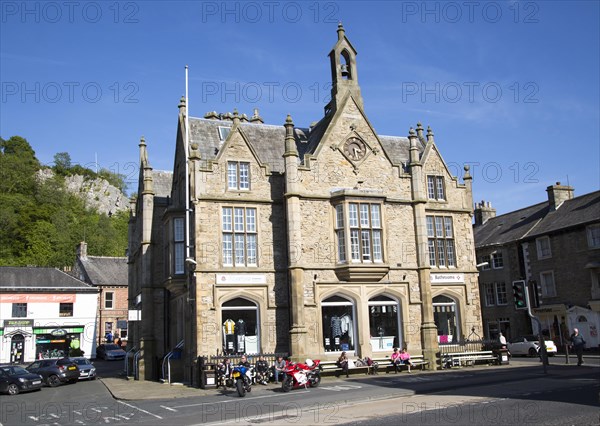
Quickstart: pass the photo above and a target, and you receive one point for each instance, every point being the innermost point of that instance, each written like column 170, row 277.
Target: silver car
column 87, row 371
column 110, row 352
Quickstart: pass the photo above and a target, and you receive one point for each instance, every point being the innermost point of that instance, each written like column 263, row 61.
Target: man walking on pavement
column 578, row 344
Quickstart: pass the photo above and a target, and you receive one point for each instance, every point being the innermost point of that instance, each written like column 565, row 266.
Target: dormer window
column 223, row 133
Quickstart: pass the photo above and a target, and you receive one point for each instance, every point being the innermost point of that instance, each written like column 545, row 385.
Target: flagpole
column 187, row 168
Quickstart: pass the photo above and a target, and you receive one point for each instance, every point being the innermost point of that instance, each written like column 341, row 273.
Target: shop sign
column 135, row 315
column 59, row 332
column 37, row 298
column 18, row 323
column 240, row 278
column 447, row 278
column 550, row 309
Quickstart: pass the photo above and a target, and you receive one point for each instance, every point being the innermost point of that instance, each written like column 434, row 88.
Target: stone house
column 109, row 276
column 310, row 241
column 553, row 246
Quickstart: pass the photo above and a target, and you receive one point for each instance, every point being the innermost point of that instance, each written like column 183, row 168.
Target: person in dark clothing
column 578, row 344
column 262, row 370
column 342, row 362
column 244, row 361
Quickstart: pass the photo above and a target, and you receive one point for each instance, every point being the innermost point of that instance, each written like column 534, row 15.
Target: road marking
column 245, row 399
column 340, row 388
column 139, row 409
column 167, row 408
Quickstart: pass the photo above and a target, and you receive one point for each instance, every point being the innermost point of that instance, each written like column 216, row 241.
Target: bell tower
column 344, row 75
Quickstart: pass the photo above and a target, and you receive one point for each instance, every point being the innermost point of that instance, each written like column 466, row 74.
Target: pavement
column 126, row 388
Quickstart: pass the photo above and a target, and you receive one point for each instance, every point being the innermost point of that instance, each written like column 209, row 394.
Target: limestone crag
column 98, row 193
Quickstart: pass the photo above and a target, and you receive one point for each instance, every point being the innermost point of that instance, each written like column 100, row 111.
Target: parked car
column 529, row 346
column 110, row 352
column 55, row 371
column 86, row 368
column 15, row 379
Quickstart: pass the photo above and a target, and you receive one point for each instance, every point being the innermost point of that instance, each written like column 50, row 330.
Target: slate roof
column 575, row 212
column 268, row 141
column 40, row 279
column 161, row 181
column 538, row 220
column 105, row 270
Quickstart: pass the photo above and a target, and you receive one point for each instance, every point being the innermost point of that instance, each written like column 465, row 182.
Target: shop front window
column 445, row 316
column 384, row 320
column 339, row 333
column 239, row 319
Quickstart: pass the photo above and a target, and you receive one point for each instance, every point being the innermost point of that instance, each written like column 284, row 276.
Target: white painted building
column 45, row 313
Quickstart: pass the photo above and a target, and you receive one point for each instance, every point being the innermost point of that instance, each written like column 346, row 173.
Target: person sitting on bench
column 405, row 358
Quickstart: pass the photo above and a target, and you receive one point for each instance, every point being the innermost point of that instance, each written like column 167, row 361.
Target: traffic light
column 519, row 294
column 535, row 292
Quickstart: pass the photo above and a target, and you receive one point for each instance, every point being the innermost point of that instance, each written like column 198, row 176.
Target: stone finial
column 290, row 141
column 340, row 30
column 182, row 105
column 429, row 134
column 467, row 174
column 420, row 132
column 143, row 152
column 194, row 151
column 411, row 132
column 256, row 118
column 212, row 115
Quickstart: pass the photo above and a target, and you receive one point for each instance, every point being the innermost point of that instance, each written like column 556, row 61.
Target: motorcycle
column 242, row 378
column 301, row 375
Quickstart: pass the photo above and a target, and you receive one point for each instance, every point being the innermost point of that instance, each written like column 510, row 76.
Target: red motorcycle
column 298, row 375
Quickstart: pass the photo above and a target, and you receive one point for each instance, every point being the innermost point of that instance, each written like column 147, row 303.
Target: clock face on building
column 355, row 149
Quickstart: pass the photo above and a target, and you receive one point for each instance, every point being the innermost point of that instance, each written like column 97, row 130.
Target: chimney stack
column 82, row 250
column 558, row 194
column 483, row 212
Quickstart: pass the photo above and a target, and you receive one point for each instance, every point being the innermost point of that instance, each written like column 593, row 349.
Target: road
column 516, row 394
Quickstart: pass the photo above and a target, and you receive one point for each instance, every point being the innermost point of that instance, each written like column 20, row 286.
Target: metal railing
column 166, row 362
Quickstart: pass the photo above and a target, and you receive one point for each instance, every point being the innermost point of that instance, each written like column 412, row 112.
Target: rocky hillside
column 97, row 193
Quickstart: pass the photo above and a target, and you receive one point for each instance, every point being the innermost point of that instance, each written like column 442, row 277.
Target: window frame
column 544, row 283
column 489, row 294
column 112, row 300
column 497, row 260
column 358, row 229
column 436, row 188
column 239, row 178
column 178, row 246
column 501, row 293
column 540, row 249
column 62, row 309
column 239, row 236
column 593, row 236
column 19, row 310
column 439, row 243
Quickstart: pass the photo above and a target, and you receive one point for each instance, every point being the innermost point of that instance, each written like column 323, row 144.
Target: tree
column 62, row 163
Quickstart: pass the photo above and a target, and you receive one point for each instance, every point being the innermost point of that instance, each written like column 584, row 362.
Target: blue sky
column 509, row 87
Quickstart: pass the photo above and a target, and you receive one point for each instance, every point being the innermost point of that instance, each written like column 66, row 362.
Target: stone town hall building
column 303, row 240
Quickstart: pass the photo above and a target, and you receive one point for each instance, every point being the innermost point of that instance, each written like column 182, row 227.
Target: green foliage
column 63, row 167
column 40, row 222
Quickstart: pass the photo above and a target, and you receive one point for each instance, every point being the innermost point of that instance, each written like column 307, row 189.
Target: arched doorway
column 239, row 319
column 338, row 319
column 384, row 324
column 17, row 349
column 445, row 316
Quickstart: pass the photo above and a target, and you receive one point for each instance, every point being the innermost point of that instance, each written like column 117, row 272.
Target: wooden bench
column 461, row 359
column 383, row 364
